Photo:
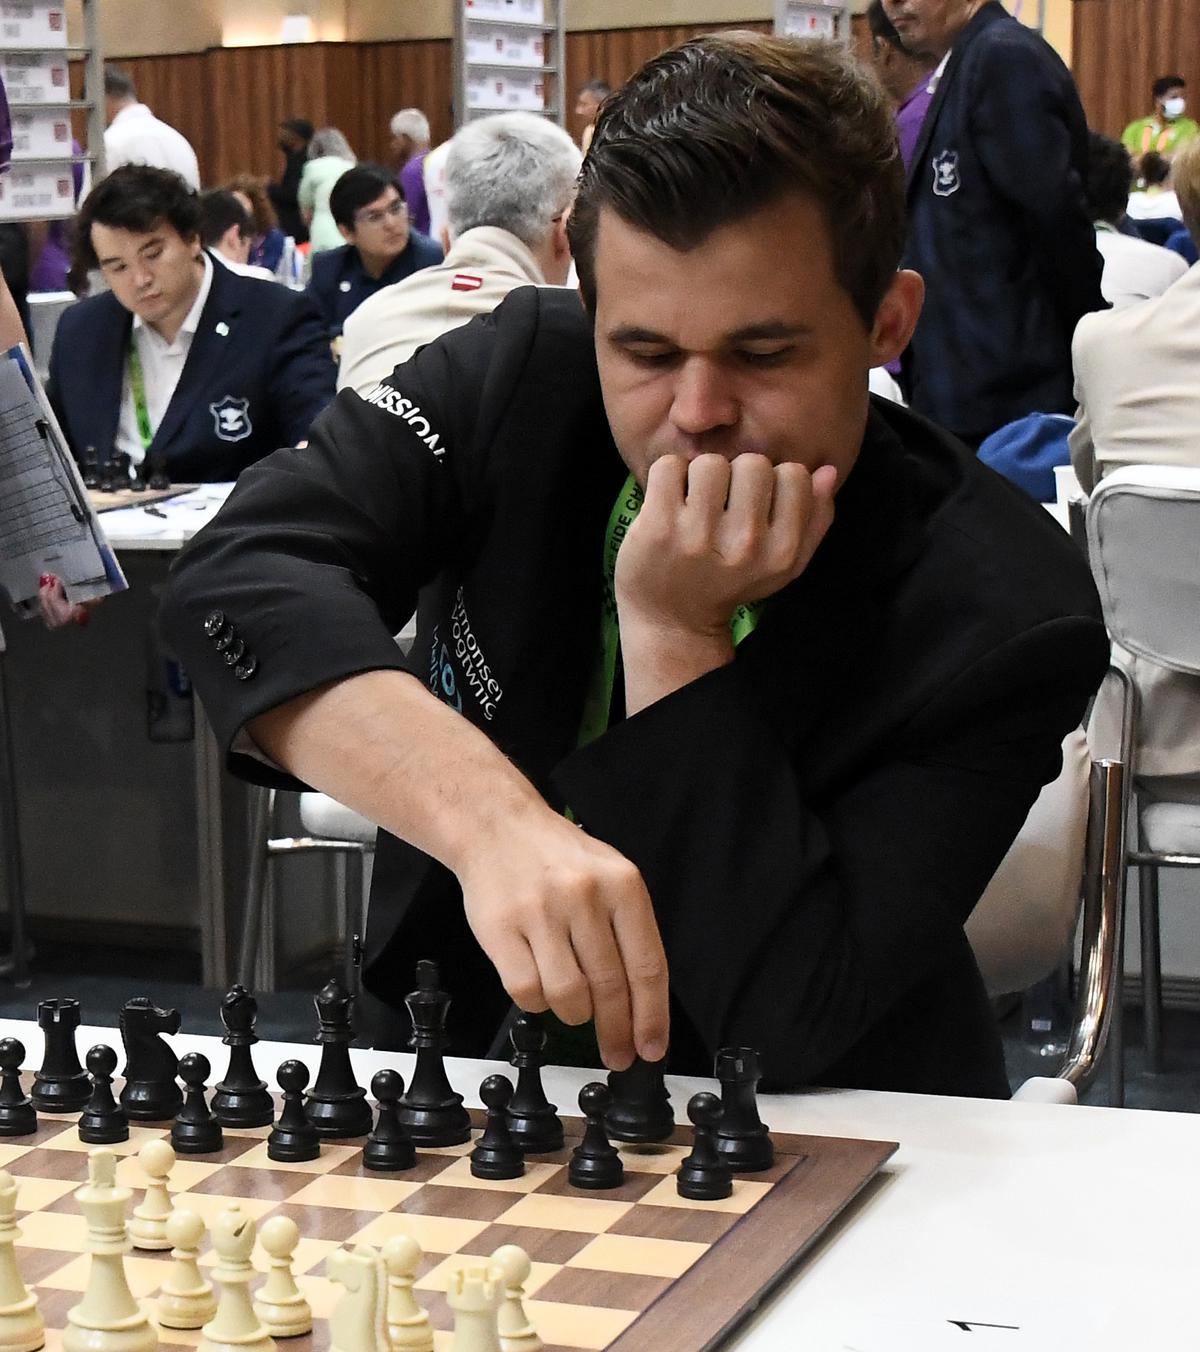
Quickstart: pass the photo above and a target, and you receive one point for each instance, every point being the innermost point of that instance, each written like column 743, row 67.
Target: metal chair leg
column 260, row 832
column 352, row 894
column 1151, row 965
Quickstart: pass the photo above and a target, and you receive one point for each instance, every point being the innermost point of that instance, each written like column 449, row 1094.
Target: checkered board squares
column 628, row 1269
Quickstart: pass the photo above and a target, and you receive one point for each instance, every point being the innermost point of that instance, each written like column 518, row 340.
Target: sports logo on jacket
column 231, row 418
column 945, row 173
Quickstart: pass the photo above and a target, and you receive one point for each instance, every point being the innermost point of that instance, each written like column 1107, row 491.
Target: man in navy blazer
column 998, row 225
column 183, row 362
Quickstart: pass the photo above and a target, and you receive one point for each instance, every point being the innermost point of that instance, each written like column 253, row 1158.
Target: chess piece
column 336, row 1104
column 293, row 1138
column 103, row 1121
column 474, row 1293
column 17, row 1114
column 497, row 1155
column 517, row 1334
column 742, row 1139
column 148, row 1225
column 241, row 1099
column 150, row 1093
column 532, row 1119
column 61, row 1085
column 595, row 1162
column 359, row 1320
column 389, row 1147
column 186, row 1299
column 641, row 1109
column 408, row 1326
column 704, row 1176
column 158, row 479
column 195, row 1131
column 107, row 482
column 21, row 1325
column 90, row 468
column 107, row 1317
column 431, row 1111
column 235, row 1327
column 280, row 1304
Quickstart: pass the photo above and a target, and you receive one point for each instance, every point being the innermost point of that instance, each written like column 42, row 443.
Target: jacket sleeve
column 795, row 926
column 1022, row 117
column 303, row 373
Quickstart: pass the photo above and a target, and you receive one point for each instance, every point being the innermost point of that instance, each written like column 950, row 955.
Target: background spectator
column 1154, row 198
column 136, row 136
column 410, row 145
column 329, row 156
column 294, row 135
column 904, row 75
column 226, row 231
column 266, row 246
column 1166, row 130
column 587, row 105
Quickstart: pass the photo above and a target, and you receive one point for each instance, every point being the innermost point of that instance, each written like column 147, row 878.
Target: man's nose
column 703, row 397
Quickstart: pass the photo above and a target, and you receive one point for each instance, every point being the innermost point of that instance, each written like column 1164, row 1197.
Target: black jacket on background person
column 999, row 229
column 814, row 822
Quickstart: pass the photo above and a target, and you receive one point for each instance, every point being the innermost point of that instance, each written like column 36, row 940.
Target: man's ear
column 559, row 241
column 347, row 235
column 896, row 316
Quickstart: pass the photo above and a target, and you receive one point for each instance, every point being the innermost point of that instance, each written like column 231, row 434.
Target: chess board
column 630, row 1269
column 130, row 497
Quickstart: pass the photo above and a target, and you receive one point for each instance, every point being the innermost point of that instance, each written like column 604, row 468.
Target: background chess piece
column 279, row 1303
column 195, row 1130
column 241, row 1099
column 148, row 1226
column 359, row 1320
column 431, row 1111
column 21, row 1326
column 389, row 1147
column 235, row 1327
column 336, row 1104
column 532, row 1119
column 408, row 1326
column 17, row 1114
column 186, row 1299
column 103, row 1120
column 742, row 1139
column 704, row 1176
column 293, row 1139
column 150, row 1093
column 61, row 1085
column 641, row 1107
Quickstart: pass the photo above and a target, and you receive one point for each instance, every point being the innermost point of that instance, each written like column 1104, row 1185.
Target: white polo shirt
column 136, row 136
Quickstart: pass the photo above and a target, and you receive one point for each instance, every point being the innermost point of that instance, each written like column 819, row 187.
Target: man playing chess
column 732, row 685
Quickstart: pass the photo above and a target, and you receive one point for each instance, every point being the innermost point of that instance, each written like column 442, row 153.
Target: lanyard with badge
column 137, row 387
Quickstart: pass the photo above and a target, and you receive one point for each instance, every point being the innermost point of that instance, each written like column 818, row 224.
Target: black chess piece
column 336, row 1104
column 742, row 1139
column 158, row 473
column 241, row 1099
column 533, row 1120
column 389, row 1147
column 195, row 1130
column 497, row 1155
column 150, row 1093
column 62, row 1084
column 107, row 482
column 90, row 468
column 138, row 483
column 293, row 1138
column 431, row 1111
column 595, row 1162
column 18, row 1117
column 103, row 1121
column 704, row 1176
column 641, row 1109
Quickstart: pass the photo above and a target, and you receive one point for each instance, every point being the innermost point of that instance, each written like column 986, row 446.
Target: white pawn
column 359, row 1320
column 280, row 1304
column 21, row 1326
column 408, row 1324
column 235, row 1327
column 474, row 1294
column 186, row 1299
column 517, row 1334
column 148, row 1224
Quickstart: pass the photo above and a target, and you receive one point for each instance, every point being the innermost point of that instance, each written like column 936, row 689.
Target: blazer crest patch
column 945, row 173
column 231, row 418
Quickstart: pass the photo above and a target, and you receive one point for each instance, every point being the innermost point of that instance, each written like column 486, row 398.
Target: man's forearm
column 658, row 661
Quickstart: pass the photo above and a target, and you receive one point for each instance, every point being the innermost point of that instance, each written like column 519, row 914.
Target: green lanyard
column 597, row 704
column 137, row 387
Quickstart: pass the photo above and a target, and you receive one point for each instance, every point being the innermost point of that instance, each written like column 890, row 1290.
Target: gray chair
column 45, row 310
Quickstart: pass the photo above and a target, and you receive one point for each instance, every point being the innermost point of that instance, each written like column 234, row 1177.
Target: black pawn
column 533, row 1120
column 497, row 1155
column 293, row 1138
column 704, row 1176
column 337, row 1104
column 61, row 1085
column 158, row 473
column 195, row 1130
column 594, row 1161
column 103, row 1121
column 389, row 1147
column 742, row 1138
column 91, row 468
column 641, row 1109
column 18, row 1117
column 241, row 1099
column 431, row 1110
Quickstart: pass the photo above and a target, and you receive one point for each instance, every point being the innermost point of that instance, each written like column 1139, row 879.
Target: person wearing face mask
column 1167, row 128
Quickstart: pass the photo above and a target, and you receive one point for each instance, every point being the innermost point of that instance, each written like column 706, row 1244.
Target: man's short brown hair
column 716, row 129
column 1185, row 173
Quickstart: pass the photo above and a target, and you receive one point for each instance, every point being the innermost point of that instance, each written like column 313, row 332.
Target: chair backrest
column 1143, row 529
column 45, row 310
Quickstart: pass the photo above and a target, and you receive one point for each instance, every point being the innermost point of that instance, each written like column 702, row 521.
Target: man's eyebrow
column 771, row 329
column 633, row 333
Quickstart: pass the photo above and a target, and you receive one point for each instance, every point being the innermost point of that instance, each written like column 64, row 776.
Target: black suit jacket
column 999, row 229
column 815, row 822
column 258, row 371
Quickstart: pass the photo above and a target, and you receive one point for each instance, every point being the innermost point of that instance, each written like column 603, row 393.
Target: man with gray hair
column 410, row 145
column 135, row 136
column 509, row 181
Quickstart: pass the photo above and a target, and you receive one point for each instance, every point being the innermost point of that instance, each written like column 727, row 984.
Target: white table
column 1077, row 1224
column 166, row 525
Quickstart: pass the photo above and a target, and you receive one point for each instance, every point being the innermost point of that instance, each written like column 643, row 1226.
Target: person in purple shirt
column 410, row 145
column 905, row 77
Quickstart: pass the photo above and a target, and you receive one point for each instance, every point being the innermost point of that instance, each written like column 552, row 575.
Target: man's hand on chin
column 712, row 534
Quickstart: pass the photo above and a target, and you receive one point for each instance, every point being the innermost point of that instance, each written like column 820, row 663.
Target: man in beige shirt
column 509, row 181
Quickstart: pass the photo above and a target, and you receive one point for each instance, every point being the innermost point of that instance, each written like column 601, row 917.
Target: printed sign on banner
column 41, row 135
column 35, row 78
column 36, row 194
column 32, row 23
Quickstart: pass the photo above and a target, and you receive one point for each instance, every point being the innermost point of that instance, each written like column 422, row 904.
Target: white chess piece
column 235, row 1327
column 517, row 1334
column 280, row 1304
column 21, row 1326
column 148, row 1225
column 359, row 1320
column 107, row 1318
column 474, row 1294
column 408, row 1324
column 186, row 1299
